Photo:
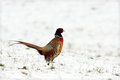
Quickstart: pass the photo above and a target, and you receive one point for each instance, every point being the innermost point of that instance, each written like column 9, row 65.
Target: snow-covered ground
column 91, row 39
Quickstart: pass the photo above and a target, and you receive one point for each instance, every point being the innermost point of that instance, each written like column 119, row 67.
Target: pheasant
column 52, row 49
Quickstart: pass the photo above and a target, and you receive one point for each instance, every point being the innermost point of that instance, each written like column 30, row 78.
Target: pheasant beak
column 63, row 30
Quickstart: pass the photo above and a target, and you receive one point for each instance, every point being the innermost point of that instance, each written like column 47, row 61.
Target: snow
column 91, row 39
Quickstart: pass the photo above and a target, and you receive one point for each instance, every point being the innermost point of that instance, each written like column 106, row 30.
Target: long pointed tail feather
column 30, row 45
column 39, row 49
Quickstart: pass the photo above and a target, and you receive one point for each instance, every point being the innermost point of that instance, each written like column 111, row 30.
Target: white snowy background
column 91, row 39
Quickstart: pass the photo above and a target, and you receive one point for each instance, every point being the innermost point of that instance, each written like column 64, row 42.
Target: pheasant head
column 58, row 32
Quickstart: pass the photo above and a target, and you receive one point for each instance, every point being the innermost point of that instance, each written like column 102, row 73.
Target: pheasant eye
column 60, row 30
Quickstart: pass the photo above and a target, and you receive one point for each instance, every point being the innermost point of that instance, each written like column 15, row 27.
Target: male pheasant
column 52, row 49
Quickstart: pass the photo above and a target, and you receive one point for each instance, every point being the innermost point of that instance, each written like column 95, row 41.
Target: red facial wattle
column 60, row 30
